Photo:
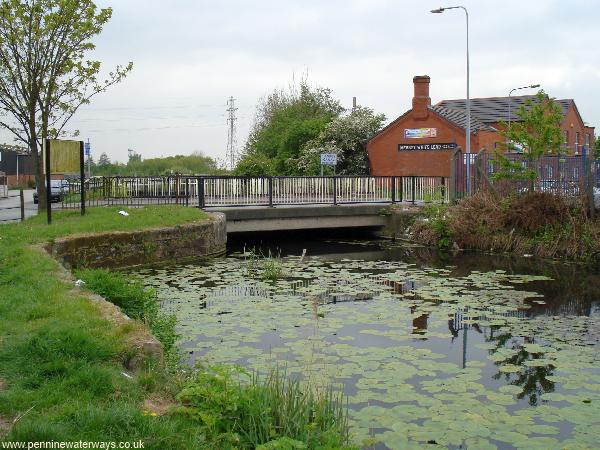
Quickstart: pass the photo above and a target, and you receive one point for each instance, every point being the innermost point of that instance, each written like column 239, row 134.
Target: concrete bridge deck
column 304, row 217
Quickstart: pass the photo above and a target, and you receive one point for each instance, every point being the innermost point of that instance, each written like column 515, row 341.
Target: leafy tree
column 345, row 136
column 597, row 148
column 103, row 161
column 537, row 132
column 285, row 121
column 45, row 73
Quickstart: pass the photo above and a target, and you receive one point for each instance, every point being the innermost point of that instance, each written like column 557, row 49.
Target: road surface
column 12, row 202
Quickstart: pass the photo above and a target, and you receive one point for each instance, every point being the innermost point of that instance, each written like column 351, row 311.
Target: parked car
column 58, row 188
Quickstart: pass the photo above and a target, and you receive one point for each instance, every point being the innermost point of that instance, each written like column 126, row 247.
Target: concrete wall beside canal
column 144, row 247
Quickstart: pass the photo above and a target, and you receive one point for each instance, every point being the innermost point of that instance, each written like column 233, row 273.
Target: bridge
column 303, row 217
column 270, row 203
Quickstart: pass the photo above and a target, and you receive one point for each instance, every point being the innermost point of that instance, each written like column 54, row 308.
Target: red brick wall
column 573, row 123
column 385, row 158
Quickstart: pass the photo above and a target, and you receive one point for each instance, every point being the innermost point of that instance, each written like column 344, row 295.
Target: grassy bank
column 537, row 224
column 61, row 362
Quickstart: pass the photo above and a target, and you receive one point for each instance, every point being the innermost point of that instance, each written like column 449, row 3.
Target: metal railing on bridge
column 224, row 191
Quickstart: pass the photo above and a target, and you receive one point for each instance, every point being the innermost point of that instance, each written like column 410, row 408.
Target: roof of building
column 459, row 118
column 496, row 109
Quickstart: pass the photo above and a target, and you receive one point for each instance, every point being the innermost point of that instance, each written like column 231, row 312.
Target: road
column 13, row 214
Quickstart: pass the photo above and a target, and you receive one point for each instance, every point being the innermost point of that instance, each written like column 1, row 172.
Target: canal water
column 432, row 350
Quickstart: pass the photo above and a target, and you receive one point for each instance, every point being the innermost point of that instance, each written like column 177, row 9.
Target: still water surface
column 432, row 350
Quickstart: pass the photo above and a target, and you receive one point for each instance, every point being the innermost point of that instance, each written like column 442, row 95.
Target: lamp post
column 468, row 104
column 532, row 86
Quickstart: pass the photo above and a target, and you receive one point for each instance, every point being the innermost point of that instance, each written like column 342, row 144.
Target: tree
column 537, row 132
column 103, row 161
column 597, row 148
column 285, row 121
column 345, row 136
column 45, row 73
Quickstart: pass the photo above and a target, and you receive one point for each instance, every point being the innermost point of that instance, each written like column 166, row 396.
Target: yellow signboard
column 64, row 156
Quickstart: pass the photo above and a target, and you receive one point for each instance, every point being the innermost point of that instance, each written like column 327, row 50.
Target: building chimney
column 421, row 100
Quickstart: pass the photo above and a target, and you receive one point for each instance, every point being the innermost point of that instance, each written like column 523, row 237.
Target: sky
column 190, row 56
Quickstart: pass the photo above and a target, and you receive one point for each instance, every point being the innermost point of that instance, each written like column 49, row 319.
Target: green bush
column 436, row 215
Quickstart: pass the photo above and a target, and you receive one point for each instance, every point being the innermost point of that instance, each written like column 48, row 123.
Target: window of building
column 566, row 138
column 577, row 142
column 587, row 140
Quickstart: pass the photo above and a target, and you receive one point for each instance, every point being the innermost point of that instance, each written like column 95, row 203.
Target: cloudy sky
column 191, row 55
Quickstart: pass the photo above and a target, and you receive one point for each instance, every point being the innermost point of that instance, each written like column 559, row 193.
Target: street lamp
column 468, row 105
column 533, row 86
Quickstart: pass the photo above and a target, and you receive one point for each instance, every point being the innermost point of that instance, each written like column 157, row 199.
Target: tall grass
column 266, row 267
column 245, row 410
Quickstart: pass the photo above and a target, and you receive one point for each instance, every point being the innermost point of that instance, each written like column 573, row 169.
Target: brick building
column 422, row 140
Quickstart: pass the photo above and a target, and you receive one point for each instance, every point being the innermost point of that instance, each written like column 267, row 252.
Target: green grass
column 138, row 303
column 61, row 362
column 59, row 359
column 66, row 223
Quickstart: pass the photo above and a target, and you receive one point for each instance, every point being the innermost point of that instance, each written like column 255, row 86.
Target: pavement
column 12, row 202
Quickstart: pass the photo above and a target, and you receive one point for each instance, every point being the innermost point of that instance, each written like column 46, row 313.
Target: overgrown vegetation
column 536, row 223
column 438, row 225
column 242, row 410
column 61, row 361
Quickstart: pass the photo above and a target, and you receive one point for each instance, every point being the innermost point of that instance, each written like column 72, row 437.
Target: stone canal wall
column 144, row 247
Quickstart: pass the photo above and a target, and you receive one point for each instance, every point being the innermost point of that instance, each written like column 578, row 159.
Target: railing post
column 334, row 190
column 270, row 192
column 187, row 191
column 22, row 201
column 393, row 189
column 443, row 189
column 401, row 189
column 414, row 185
column 201, row 203
column 453, row 176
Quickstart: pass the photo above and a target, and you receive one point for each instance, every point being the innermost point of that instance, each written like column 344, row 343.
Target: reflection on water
column 460, row 350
